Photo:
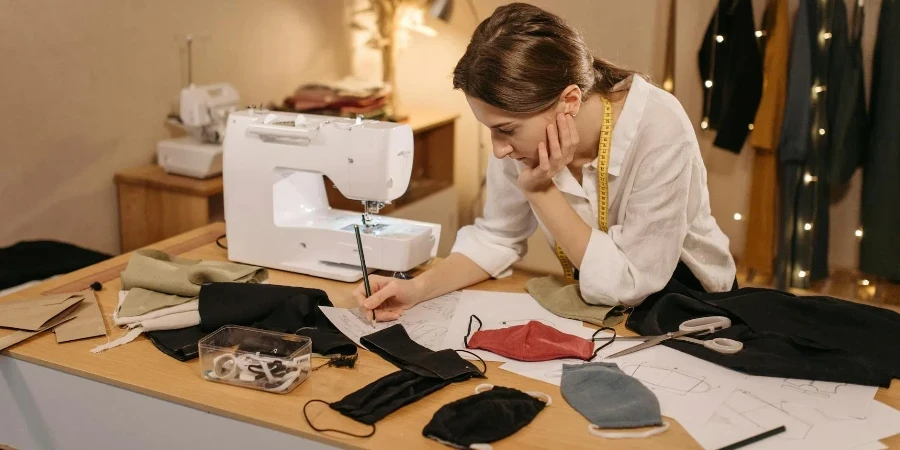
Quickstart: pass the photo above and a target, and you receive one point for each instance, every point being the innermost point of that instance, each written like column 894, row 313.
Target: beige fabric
column 158, row 271
column 564, row 299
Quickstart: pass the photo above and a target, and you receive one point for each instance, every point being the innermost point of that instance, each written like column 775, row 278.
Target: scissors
column 701, row 325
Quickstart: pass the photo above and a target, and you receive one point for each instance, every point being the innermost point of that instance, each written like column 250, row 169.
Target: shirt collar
column 626, row 126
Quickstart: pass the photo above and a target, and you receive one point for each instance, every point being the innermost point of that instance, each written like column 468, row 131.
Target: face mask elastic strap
column 323, row 430
column 469, row 331
column 595, row 430
column 610, row 341
column 541, row 396
column 483, row 387
column 483, row 372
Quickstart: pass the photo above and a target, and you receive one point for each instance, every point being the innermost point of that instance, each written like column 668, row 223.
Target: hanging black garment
column 817, row 337
column 847, row 119
column 730, row 103
column 880, row 248
column 285, row 309
column 803, row 250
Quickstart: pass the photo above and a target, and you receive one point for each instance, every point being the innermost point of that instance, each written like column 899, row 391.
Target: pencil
column 757, row 438
column 362, row 265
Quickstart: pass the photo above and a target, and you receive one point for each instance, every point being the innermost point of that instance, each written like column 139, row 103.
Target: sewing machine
column 276, row 209
column 203, row 114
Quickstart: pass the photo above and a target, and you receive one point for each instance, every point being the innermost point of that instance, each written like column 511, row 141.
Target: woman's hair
column 521, row 58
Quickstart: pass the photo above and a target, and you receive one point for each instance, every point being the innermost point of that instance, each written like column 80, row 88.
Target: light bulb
column 704, row 124
column 826, row 36
column 858, row 233
column 807, row 226
column 760, row 33
column 708, row 83
column 807, row 178
column 750, row 127
column 863, row 282
column 738, row 216
column 819, row 89
column 821, row 132
column 801, row 274
column 720, row 38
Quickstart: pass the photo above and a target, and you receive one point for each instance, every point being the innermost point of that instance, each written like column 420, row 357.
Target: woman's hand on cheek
column 563, row 139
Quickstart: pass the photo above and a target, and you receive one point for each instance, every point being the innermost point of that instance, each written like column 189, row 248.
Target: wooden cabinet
column 154, row 205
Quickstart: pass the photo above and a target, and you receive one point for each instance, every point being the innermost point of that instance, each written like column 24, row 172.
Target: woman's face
column 516, row 135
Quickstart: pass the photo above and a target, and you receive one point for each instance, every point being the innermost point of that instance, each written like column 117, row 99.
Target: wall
column 86, row 87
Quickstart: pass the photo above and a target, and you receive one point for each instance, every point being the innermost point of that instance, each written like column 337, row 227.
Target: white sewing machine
column 276, row 210
column 203, row 114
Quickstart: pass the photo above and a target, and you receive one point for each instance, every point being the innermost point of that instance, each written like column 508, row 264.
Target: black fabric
column 284, row 309
column 847, row 120
column 815, row 337
column 328, row 342
column 386, row 395
column 737, row 73
column 268, row 306
column 879, row 252
column 396, row 347
column 27, row 261
column 179, row 344
column 483, row 418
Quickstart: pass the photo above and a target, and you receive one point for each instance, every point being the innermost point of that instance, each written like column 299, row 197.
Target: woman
column 530, row 78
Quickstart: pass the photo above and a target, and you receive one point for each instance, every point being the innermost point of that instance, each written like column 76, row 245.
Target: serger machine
column 276, row 209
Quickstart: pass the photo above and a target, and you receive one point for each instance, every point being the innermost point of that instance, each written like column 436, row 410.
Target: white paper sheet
column 876, row 445
column 833, row 398
column 745, row 414
column 426, row 323
column 500, row 310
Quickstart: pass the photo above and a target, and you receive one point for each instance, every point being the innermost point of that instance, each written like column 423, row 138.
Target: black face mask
column 424, row 371
column 395, row 346
column 487, row 416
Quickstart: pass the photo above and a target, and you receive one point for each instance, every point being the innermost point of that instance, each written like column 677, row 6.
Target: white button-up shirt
column 659, row 209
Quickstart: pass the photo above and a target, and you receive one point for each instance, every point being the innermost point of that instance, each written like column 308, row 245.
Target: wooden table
column 141, row 368
column 155, row 205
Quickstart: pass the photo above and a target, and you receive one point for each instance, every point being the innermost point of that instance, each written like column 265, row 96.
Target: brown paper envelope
column 32, row 313
column 20, row 336
column 88, row 321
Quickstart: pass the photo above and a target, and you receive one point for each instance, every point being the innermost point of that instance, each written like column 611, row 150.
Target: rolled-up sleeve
column 499, row 238
column 638, row 256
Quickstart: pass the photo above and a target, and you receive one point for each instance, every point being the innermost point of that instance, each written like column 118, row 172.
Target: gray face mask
column 609, row 398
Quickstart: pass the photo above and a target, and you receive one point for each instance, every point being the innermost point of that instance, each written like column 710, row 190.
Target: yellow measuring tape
column 602, row 185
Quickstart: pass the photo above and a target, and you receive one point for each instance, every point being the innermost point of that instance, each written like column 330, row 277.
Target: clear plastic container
column 257, row 359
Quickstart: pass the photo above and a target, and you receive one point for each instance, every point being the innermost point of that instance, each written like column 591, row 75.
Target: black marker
column 362, row 264
column 757, row 438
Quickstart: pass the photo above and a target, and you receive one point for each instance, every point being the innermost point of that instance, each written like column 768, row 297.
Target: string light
column 760, row 33
column 738, row 216
column 807, row 178
column 821, row 132
column 704, row 124
column 801, row 274
column 720, row 38
column 826, row 36
column 858, row 233
column 863, row 282
column 708, row 83
column 750, row 127
column 807, row 226
column 819, row 89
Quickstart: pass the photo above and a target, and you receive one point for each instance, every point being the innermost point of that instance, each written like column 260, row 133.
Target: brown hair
column 521, row 58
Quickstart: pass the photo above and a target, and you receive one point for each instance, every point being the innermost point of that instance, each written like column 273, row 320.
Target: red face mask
column 533, row 341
